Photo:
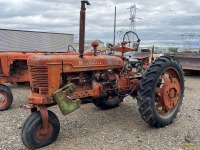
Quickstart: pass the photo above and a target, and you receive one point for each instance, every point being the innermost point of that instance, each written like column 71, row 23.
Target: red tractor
column 106, row 79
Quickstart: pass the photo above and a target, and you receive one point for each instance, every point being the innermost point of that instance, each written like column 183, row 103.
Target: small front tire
column 6, row 97
column 31, row 133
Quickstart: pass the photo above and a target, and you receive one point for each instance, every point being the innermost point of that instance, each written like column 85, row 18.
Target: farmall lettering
column 90, row 62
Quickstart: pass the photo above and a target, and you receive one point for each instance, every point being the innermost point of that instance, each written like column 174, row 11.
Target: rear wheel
column 161, row 92
column 32, row 135
column 107, row 102
column 6, row 97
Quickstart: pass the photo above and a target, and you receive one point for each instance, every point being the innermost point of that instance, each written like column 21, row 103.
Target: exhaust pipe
column 82, row 27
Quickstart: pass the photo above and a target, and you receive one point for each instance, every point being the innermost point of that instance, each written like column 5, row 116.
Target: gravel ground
column 120, row 128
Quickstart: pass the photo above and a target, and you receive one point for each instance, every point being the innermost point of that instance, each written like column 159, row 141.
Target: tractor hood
column 74, row 61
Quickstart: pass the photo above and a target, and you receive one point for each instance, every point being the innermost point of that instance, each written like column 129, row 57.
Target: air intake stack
column 82, row 27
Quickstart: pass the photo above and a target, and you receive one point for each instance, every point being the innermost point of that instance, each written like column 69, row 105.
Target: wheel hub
column 2, row 99
column 171, row 93
column 41, row 135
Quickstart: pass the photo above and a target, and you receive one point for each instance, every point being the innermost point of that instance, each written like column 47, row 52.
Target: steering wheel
column 132, row 39
column 71, row 48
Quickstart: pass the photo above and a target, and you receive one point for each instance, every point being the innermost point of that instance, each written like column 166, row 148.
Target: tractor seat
column 141, row 55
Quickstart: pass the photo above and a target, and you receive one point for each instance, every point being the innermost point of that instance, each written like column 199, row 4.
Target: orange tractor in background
column 13, row 69
column 65, row 80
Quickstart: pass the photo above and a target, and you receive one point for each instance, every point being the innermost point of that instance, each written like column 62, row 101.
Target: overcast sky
column 161, row 21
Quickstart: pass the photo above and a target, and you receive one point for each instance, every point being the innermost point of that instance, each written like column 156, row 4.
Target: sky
column 158, row 22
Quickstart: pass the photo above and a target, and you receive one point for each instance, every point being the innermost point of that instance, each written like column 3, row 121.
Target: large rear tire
column 31, row 133
column 6, row 97
column 161, row 92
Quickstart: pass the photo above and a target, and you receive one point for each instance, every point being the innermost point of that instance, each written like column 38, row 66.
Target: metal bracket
column 44, row 114
column 45, row 118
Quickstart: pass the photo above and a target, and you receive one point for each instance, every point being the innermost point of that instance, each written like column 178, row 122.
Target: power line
column 190, row 40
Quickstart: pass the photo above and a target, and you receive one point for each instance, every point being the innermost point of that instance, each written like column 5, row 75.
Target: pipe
column 82, row 28
column 114, row 28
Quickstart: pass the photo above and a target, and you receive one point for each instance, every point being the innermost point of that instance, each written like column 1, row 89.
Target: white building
column 29, row 41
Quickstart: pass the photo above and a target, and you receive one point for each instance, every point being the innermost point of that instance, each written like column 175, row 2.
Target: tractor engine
column 104, row 81
column 92, row 77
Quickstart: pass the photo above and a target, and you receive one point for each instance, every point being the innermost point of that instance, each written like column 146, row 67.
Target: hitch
column 64, row 101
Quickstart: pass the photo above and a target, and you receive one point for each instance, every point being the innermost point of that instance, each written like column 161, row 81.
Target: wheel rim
column 3, row 99
column 167, row 94
column 40, row 135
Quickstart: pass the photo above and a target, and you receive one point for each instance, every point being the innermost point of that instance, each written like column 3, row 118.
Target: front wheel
column 161, row 91
column 32, row 135
column 6, row 97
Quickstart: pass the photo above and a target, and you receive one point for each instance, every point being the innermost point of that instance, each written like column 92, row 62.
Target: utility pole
column 114, row 27
column 132, row 19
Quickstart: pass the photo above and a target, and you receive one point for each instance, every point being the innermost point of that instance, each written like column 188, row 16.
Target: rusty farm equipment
column 106, row 79
column 189, row 60
column 14, row 69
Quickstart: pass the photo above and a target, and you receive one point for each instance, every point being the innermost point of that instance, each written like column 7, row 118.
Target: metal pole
column 114, row 28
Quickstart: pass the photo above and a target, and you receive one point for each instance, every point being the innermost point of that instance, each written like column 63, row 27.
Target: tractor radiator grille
column 39, row 79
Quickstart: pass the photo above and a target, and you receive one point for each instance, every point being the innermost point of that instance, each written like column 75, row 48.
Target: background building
column 28, row 41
